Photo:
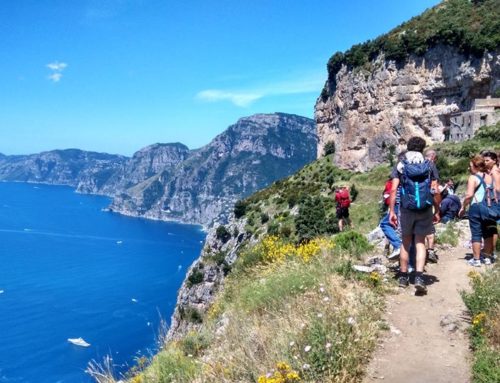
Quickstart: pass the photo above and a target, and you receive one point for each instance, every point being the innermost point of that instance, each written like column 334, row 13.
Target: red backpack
column 343, row 199
column 387, row 192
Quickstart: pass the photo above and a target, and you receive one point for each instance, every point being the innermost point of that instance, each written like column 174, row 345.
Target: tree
column 329, row 148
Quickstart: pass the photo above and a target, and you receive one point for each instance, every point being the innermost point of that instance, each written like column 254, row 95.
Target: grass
column 302, row 311
column 483, row 304
column 449, row 235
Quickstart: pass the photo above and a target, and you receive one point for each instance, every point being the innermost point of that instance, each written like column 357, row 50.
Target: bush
column 329, row 148
column 222, row 234
column 240, row 208
column 195, row 277
column 264, row 217
column 352, row 242
column 484, row 305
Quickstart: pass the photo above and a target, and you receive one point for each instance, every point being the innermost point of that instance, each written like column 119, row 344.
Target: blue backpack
column 416, row 186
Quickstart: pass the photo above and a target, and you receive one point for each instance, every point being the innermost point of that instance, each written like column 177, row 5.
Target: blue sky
column 117, row 75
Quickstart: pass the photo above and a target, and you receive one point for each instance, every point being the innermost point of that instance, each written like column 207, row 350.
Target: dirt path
column 427, row 341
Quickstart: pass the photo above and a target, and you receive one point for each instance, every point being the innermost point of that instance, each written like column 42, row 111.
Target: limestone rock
column 365, row 113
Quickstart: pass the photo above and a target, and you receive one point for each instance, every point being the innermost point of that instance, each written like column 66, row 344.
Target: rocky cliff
column 61, row 167
column 144, row 164
column 370, row 111
column 171, row 182
column 248, row 156
column 408, row 82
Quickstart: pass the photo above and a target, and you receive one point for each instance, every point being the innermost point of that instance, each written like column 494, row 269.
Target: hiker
column 431, row 156
column 450, row 205
column 491, row 161
column 449, row 186
column 480, row 228
column 391, row 233
column 386, row 194
column 343, row 199
column 416, row 176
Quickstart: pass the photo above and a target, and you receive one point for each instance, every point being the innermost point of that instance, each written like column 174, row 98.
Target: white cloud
column 57, row 66
column 244, row 98
column 55, row 77
column 237, row 98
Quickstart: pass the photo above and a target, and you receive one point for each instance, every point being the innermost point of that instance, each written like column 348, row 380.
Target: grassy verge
column 294, row 312
column 484, row 306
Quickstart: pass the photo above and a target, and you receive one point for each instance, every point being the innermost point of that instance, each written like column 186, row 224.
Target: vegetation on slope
column 484, row 306
column 471, row 26
column 287, row 312
column 292, row 307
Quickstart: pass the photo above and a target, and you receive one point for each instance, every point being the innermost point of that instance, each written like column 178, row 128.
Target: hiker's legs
column 390, row 233
column 476, row 249
column 421, row 252
column 404, row 256
column 430, row 240
column 341, row 224
column 476, row 230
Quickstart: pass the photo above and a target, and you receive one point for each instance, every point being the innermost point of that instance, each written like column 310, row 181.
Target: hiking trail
column 427, row 341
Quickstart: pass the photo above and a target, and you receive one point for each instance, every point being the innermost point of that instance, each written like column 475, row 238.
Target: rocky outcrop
column 248, row 156
column 366, row 112
column 195, row 299
column 61, row 167
column 144, row 164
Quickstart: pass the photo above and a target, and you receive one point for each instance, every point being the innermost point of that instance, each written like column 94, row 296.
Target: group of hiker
column 416, row 201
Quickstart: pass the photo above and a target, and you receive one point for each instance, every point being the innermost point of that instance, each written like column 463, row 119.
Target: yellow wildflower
column 478, row 319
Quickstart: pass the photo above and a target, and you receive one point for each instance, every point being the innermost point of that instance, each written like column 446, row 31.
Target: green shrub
column 240, row 208
column 352, row 242
column 264, row 217
column 194, row 343
column 195, row 277
column 173, row 366
column 483, row 302
column 329, row 148
column 222, row 234
column 449, row 235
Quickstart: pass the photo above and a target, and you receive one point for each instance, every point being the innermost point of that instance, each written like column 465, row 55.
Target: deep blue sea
column 68, row 269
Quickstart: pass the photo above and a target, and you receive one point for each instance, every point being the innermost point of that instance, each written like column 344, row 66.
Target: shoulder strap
column 481, row 182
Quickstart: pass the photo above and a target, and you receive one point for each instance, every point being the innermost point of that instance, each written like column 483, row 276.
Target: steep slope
column 63, row 167
column 248, row 156
column 144, row 164
column 409, row 81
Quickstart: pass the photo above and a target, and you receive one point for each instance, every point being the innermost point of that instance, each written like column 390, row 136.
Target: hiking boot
column 474, row 262
column 403, row 281
column 394, row 254
column 432, row 256
column 420, row 285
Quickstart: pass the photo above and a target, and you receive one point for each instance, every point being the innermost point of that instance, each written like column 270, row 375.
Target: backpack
column 489, row 207
column 416, row 186
column 386, row 195
column 343, row 199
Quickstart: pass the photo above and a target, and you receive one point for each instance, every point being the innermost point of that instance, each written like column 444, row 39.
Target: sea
column 70, row 269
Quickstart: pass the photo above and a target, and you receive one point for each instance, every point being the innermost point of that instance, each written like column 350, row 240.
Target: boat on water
column 78, row 342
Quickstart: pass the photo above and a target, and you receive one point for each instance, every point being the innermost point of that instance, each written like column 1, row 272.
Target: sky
column 117, row 75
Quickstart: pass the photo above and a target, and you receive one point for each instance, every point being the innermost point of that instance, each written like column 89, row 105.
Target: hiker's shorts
column 342, row 212
column 480, row 228
column 416, row 222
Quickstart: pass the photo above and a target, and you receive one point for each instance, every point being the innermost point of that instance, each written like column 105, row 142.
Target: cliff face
column 249, row 155
column 62, row 167
column 365, row 112
column 195, row 299
column 144, row 164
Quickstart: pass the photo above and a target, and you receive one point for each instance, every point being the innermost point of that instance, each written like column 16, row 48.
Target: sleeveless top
column 480, row 191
